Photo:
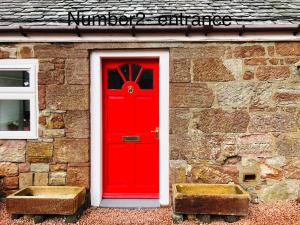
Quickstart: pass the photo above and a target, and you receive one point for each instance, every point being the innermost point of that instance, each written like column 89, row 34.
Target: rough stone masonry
column 234, row 116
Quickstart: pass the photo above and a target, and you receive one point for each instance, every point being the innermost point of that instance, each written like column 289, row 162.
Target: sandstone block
column 288, row 95
column 235, row 94
column 228, row 151
column 180, row 70
column 25, row 180
column 77, row 71
column 255, row 61
column 49, row 50
column 190, row 95
column 178, row 171
column 211, row 174
column 8, row 169
column 51, row 71
column 272, row 122
column 198, row 51
column 270, row 172
column 179, row 120
column 57, row 178
column 11, row 183
column 71, row 150
column 54, row 133
column 24, row 167
column 194, row 147
column 56, row 121
column 4, row 54
column 272, row 72
column 42, row 96
column 77, row 124
column 287, row 48
column 262, row 95
column 288, row 145
column 78, row 176
column 12, row 150
column 218, row 120
column 277, row 161
column 249, row 51
column 58, row 167
column 25, row 52
column 42, row 120
column 282, row 190
column 41, row 179
column 292, row 169
column 39, row 151
column 68, row 97
column 39, row 167
column 206, row 70
column 248, row 75
column 256, row 145
column 271, row 51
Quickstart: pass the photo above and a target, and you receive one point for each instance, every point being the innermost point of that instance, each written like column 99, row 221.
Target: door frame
column 96, row 173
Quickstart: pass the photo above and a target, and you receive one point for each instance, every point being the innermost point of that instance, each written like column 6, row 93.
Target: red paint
column 131, row 169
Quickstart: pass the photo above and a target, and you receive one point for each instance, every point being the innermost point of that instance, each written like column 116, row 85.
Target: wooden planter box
column 40, row 200
column 210, row 199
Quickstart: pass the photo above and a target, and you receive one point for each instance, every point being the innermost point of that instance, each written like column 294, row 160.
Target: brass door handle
column 156, row 131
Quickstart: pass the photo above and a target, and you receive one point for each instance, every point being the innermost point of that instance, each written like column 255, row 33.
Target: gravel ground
column 275, row 213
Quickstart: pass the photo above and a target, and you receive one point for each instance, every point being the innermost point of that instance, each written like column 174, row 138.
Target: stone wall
column 234, row 116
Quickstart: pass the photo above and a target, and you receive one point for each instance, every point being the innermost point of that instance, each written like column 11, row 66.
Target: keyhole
column 130, row 89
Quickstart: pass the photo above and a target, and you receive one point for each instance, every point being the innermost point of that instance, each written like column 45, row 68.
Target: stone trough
column 204, row 200
column 47, row 200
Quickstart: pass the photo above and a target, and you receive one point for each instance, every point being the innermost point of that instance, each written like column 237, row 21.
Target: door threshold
column 129, row 203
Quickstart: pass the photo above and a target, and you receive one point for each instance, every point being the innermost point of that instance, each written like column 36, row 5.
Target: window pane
column 115, row 80
column 125, row 70
column 14, row 115
column 135, row 71
column 14, row 79
column 146, row 79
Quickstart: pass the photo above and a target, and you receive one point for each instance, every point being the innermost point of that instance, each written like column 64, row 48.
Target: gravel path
column 276, row 213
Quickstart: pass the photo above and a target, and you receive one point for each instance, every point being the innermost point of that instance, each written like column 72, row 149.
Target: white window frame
column 22, row 93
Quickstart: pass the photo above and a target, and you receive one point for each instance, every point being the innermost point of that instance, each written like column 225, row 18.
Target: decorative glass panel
column 125, row 70
column 146, row 79
column 135, row 71
column 14, row 79
column 115, row 80
column 14, row 115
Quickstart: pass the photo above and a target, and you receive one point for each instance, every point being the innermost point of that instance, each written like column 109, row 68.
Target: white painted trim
column 96, row 115
column 25, row 93
column 165, row 37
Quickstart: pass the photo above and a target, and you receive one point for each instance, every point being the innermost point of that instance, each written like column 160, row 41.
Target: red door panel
column 130, row 119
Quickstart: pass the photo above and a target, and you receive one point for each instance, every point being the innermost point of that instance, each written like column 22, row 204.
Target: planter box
column 210, row 199
column 39, row 200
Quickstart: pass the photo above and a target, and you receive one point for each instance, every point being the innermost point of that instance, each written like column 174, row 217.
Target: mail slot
column 131, row 138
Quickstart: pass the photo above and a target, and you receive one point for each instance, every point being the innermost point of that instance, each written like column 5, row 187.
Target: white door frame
column 96, row 119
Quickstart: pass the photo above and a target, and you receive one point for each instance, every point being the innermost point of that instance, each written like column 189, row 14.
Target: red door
column 131, row 120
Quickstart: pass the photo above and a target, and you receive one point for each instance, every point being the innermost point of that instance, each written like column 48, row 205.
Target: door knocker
column 130, row 89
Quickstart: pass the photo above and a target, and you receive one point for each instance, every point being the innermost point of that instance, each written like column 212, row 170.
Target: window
column 18, row 99
column 118, row 76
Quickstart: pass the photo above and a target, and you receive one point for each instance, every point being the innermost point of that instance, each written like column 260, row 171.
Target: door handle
column 156, row 131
